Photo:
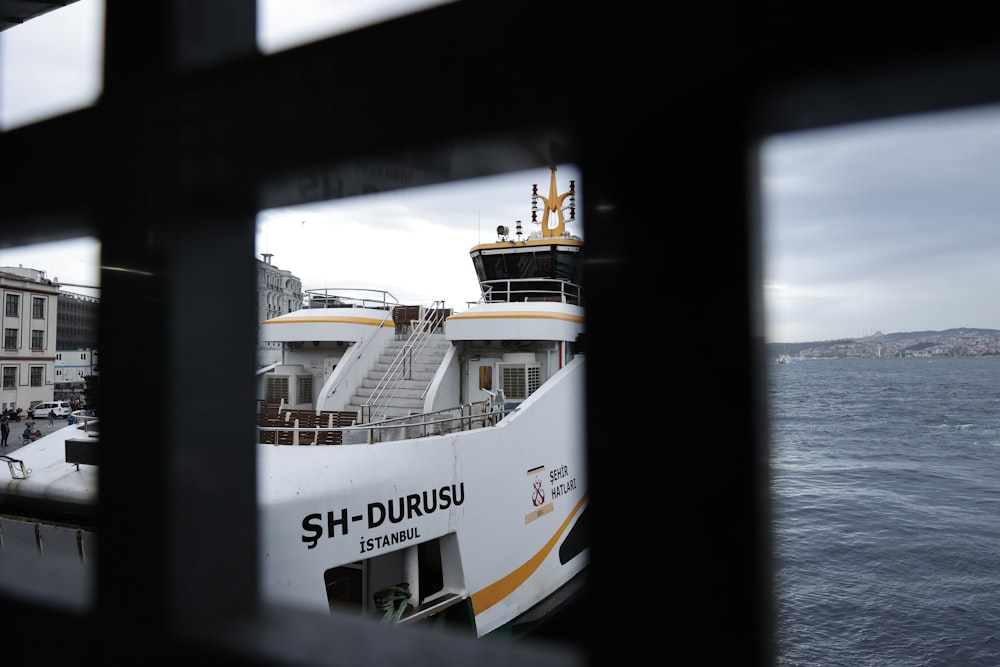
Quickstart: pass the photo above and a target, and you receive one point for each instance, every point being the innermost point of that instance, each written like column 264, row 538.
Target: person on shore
column 26, row 435
column 52, row 417
column 4, row 432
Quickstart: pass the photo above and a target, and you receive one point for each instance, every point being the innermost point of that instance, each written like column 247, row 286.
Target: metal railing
column 466, row 417
column 350, row 297
column 531, row 289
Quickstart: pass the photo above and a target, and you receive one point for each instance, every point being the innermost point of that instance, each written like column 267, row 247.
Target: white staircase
column 395, row 386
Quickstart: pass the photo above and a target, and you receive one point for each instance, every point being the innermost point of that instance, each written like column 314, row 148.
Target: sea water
column 886, row 511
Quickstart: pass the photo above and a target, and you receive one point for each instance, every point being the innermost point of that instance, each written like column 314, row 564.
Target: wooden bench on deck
column 269, row 414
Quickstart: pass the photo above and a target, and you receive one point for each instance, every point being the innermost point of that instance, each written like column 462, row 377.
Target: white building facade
column 278, row 293
column 71, row 370
column 27, row 360
column 35, row 366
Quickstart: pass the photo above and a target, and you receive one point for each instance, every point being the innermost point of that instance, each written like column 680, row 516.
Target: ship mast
column 553, row 204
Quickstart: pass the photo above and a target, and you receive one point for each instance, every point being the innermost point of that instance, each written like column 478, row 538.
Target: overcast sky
column 413, row 244
column 888, row 226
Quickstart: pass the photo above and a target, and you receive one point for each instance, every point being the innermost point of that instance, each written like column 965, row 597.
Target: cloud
column 52, row 64
column 889, row 225
column 413, row 243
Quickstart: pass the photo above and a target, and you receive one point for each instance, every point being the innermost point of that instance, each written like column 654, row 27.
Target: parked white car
column 41, row 410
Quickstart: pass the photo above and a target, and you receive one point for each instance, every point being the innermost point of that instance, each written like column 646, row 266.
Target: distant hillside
column 963, row 331
column 953, row 342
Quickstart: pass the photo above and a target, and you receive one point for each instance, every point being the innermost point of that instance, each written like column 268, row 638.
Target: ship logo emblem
column 538, row 497
column 538, row 507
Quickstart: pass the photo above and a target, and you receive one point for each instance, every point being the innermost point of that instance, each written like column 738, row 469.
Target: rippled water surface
column 886, row 488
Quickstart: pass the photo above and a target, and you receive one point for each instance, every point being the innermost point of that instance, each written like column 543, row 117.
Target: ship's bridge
column 538, row 269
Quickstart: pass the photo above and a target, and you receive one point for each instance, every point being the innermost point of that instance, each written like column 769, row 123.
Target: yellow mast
column 553, row 203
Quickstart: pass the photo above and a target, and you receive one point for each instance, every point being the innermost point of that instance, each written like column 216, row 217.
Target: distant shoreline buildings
column 963, row 342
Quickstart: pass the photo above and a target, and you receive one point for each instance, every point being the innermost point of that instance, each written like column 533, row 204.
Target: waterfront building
column 50, row 335
column 278, row 292
column 27, row 360
column 76, row 345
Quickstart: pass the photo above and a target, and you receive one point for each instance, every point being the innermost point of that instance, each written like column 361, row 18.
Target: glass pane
column 284, row 24
column 373, row 273
column 881, row 246
column 49, row 362
column 55, row 289
column 51, row 64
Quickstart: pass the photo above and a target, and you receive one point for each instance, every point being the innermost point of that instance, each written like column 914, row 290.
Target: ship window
column 526, row 265
column 498, row 268
column 543, row 265
column 568, row 267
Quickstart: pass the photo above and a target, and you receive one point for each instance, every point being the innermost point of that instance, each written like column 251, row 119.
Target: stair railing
column 354, row 358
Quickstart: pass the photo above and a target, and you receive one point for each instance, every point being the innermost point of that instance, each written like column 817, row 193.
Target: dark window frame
column 209, row 121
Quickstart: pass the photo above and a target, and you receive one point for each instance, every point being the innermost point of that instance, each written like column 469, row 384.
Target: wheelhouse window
column 38, row 307
column 9, row 377
column 36, row 376
column 13, row 304
column 37, row 337
column 567, row 267
column 10, row 339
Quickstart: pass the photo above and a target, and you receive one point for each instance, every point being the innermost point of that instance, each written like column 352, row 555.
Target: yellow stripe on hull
column 497, row 591
column 518, row 314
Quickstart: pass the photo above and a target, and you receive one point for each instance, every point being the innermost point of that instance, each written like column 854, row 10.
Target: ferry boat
column 415, row 465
